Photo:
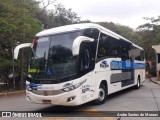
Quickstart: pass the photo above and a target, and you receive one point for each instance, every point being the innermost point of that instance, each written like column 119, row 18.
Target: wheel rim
column 101, row 95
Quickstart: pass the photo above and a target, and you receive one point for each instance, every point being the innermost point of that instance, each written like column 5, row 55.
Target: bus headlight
column 72, row 87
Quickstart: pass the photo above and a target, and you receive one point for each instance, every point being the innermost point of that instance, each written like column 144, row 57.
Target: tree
column 150, row 33
column 61, row 16
column 20, row 20
column 17, row 18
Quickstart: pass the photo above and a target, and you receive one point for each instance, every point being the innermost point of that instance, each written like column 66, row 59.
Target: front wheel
column 102, row 96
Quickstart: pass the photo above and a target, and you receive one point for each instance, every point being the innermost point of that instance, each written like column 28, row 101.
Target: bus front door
column 87, row 62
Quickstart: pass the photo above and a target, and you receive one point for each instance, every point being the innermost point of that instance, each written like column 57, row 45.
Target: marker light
column 33, row 42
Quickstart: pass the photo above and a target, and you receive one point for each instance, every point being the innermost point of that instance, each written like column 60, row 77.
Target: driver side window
column 85, row 59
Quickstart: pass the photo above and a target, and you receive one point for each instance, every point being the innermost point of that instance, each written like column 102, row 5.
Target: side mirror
column 16, row 50
column 77, row 42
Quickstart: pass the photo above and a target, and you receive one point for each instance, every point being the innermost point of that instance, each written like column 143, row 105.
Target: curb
column 12, row 93
column 155, row 81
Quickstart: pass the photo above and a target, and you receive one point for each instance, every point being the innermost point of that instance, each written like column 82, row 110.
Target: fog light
column 70, row 99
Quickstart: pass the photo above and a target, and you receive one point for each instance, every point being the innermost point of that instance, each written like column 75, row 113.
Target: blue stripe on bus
column 126, row 65
column 33, row 85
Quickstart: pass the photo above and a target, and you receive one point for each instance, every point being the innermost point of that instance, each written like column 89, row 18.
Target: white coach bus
column 75, row 64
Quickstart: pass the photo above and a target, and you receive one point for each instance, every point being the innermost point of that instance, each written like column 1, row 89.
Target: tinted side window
column 91, row 32
column 102, row 46
column 85, row 59
column 111, row 47
column 136, row 53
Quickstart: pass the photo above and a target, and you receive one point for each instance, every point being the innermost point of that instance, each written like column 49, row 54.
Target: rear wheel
column 138, row 83
column 102, row 96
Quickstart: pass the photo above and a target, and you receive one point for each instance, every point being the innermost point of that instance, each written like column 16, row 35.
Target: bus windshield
column 51, row 57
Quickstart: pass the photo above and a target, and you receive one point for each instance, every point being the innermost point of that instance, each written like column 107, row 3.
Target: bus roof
column 73, row 27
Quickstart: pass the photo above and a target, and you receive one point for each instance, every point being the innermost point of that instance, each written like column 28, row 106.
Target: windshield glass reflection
column 52, row 57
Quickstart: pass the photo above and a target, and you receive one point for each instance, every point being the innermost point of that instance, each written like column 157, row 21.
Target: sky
column 124, row 12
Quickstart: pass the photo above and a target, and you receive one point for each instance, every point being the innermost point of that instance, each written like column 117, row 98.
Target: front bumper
column 71, row 98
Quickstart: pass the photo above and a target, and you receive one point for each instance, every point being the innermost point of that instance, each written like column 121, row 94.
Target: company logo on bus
column 104, row 64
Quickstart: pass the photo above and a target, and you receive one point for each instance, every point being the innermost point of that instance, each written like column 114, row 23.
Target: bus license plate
column 46, row 101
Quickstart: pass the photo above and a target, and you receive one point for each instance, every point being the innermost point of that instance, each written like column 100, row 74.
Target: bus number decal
column 85, row 88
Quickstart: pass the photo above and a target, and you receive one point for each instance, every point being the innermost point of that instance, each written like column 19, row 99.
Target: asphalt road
column 147, row 98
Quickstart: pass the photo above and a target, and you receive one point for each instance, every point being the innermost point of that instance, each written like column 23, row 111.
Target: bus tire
column 102, row 96
column 138, row 83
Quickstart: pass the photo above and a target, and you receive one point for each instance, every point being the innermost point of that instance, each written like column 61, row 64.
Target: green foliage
column 150, row 33
column 61, row 16
column 20, row 20
column 17, row 18
column 6, row 64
